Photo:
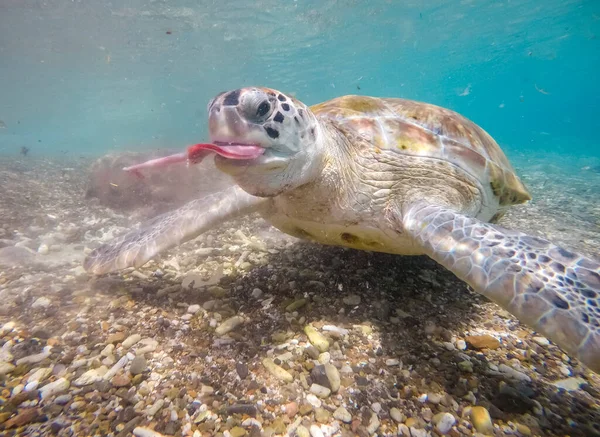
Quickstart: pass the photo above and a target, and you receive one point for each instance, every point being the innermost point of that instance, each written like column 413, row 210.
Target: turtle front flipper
column 553, row 290
column 171, row 229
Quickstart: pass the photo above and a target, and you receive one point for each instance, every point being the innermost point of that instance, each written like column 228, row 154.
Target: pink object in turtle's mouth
column 196, row 153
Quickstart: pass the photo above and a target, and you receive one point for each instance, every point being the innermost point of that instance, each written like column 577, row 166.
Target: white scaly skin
column 320, row 182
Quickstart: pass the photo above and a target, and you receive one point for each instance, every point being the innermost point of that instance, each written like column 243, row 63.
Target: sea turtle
column 389, row 175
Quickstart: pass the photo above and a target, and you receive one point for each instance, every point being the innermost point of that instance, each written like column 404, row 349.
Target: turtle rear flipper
column 555, row 291
column 171, row 229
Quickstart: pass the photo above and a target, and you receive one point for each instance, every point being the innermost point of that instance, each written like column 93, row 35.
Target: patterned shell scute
column 422, row 129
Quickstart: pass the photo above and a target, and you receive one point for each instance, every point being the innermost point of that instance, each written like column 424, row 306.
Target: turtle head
column 282, row 125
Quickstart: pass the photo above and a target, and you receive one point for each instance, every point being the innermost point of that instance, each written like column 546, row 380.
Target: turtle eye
column 256, row 106
column 263, row 109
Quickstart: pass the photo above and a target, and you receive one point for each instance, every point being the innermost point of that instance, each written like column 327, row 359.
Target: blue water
column 88, row 77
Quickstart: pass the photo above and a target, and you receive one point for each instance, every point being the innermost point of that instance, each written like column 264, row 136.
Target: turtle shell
column 421, row 129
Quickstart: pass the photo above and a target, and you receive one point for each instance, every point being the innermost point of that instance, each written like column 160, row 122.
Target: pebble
column 229, row 325
column 316, row 338
column 313, row 400
column 373, row 424
column 145, row 432
column 569, row 383
column 120, row 381
column 257, row 293
column 444, row 422
column 342, row 414
column 6, row 368
column 117, row 337
column 542, row 341
column 193, row 309
column 322, row 415
column 146, row 345
column 41, row 302
column 392, row 362
column 483, row 341
column 341, row 332
column 513, row 373
column 333, row 376
column 138, row 365
column 116, row 367
column 131, row 340
column 397, row 415
column 301, row 431
column 242, row 370
column 319, row 390
column 39, row 375
column 481, row 419
column 90, row 376
column 315, row 431
column 277, row 371
column 461, row 345
column 54, row 388
column 237, row 431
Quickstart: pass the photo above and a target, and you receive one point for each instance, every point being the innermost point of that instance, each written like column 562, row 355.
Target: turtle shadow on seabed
column 406, row 317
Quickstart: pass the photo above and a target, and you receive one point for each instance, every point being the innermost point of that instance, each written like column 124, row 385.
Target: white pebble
column 257, row 293
column 315, row 431
column 55, row 387
column 32, row 386
column 444, row 422
column 43, row 249
column 342, row 414
column 131, row 340
column 114, row 369
column 313, row 400
column 461, row 345
column 542, row 341
column 392, row 362
column 193, row 309
column 320, row 391
column 141, row 431
column 332, row 328
column 41, row 302
column 376, row 406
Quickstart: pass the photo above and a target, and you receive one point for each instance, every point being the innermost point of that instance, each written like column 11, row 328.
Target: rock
column 444, row 422
column 542, row 341
column 296, row 305
column 315, row 431
column 35, row 358
column 59, row 386
column 480, row 417
column 570, row 383
column 316, row 338
column 373, row 425
column 320, row 391
column 301, row 431
column 397, row 415
column 229, row 325
column 465, row 366
column 483, row 341
column 291, row 409
column 131, row 340
column 352, row 299
column 392, row 362
column 322, row 415
column 6, row 368
column 335, row 330
column 193, row 309
column 117, row 337
column 241, row 369
column 90, row 376
column 237, row 431
column 25, row 416
column 242, row 409
column 146, row 345
column 342, row 414
column 257, row 293
column 277, row 371
column 461, row 345
column 312, row 400
column 138, row 365
column 513, row 373
column 145, row 432
column 41, row 303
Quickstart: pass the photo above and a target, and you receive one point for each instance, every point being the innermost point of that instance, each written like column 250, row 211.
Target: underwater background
column 83, row 77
